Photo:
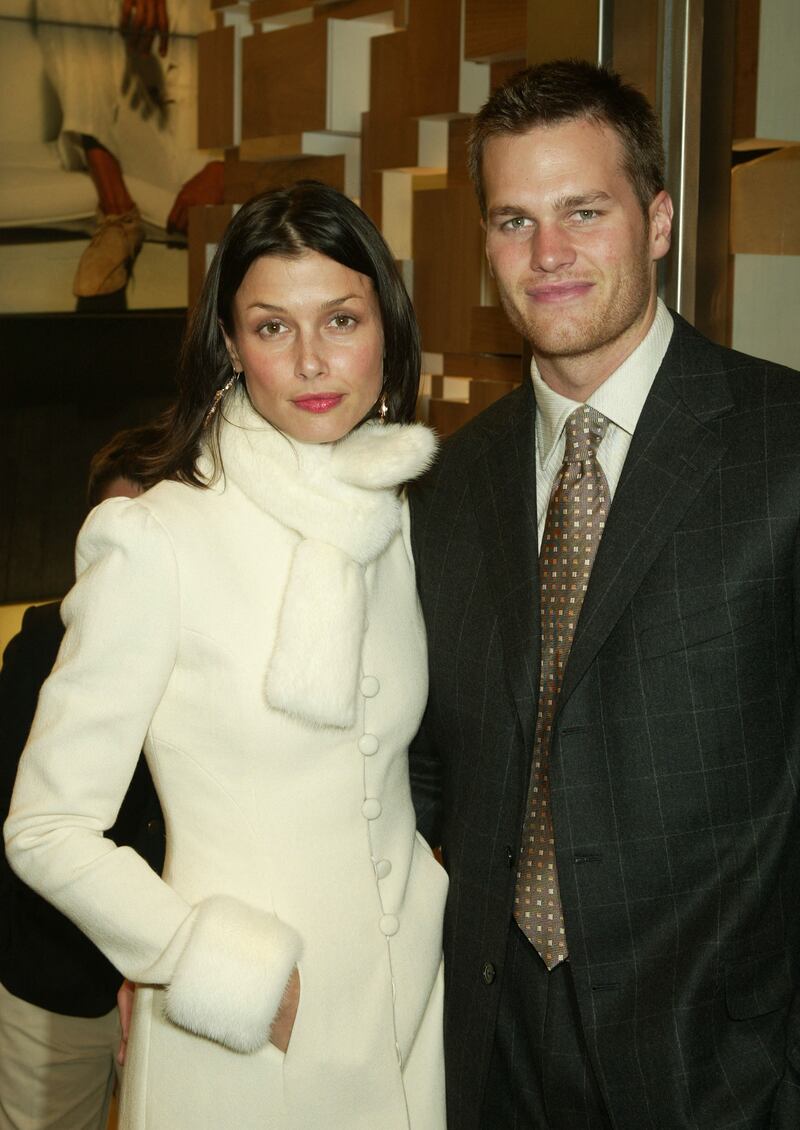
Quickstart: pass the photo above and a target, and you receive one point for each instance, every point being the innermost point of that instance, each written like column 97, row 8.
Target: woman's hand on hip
column 282, row 1025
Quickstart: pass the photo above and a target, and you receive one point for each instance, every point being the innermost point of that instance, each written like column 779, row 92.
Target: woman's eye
column 343, row 321
column 271, row 329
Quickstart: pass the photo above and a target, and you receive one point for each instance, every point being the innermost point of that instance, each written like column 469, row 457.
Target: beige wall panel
column 561, row 30
column 494, row 29
column 765, row 294
column 778, row 98
column 285, row 80
column 447, row 247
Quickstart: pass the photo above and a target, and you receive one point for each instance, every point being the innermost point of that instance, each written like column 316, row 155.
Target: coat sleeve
column 225, row 964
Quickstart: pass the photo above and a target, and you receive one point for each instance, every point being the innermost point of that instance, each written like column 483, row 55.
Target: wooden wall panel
column 285, row 80
column 495, row 29
column 448, row 248
column 244, row 179
column 567, row 29
column 635, row 44
column 745, row 76
column 206, row 226
column 215, row 93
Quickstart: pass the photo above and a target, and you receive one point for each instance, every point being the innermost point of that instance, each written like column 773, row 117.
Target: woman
column 252, row 620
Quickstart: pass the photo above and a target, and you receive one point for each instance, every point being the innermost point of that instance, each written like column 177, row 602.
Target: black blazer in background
column 44, row 958
column 675, row 763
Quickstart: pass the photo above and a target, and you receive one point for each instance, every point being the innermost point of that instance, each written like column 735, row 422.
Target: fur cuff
column 230, row 978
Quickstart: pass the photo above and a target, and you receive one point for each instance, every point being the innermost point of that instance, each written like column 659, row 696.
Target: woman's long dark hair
column 309, row 216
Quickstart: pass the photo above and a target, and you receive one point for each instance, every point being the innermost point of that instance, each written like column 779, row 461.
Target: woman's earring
column 219, row 395
column 383, row 408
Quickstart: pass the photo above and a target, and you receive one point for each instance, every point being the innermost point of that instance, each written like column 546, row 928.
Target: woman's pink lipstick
column 318, row 402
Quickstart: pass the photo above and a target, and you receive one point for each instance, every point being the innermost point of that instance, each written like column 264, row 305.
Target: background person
column 611, row 751
column 59, row 1029
column 254, row 620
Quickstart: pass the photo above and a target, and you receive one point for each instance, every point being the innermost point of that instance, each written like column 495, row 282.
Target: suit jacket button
column 489, row 972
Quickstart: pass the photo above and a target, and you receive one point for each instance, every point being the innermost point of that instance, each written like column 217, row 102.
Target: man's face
column 571, row 250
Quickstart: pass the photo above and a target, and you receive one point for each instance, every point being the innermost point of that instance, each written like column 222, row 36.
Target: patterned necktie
column 575, row 520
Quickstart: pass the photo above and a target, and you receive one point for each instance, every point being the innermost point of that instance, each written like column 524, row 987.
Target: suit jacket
column 44, row 958
column 675, row 762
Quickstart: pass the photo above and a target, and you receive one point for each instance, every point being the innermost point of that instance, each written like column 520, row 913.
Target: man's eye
column 586, row 214
column 516, row 223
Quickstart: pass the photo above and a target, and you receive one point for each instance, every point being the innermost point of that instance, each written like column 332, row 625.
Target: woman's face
column 307, row 332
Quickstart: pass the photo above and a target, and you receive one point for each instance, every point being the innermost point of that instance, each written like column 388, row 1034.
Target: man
column 59, row 1030
column 617, row 801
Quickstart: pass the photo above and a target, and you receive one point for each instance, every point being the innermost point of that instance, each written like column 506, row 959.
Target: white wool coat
column 290, row 830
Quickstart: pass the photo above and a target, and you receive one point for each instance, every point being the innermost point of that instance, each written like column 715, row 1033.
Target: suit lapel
column 673, row 451
column 503, row 488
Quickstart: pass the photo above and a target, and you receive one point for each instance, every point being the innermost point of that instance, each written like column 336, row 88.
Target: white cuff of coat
column 231, row 976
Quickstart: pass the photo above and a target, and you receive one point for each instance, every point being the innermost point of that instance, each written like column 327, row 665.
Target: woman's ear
column 231, row 348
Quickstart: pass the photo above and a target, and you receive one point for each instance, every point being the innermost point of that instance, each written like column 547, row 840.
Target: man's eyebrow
column 509, row 210
column 581, row 200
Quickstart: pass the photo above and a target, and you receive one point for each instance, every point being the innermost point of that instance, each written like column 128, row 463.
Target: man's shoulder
column 693, row 354
column 483, row 431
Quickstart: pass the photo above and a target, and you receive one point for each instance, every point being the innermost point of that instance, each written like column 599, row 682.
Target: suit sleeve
column 424, row 763
column 225, row 964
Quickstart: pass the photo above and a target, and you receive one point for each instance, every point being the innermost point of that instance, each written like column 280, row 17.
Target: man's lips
column 318, row 401
column 558, row 292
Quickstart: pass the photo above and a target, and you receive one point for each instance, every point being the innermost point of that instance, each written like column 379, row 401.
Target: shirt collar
column 620, row 397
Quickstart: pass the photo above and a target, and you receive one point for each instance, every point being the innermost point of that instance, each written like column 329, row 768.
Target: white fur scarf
column 341, row 499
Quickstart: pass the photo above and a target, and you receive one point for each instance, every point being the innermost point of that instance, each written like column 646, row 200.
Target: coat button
column 382, row 868
column 370, row 686
column 368, row 744
column 389, row 924
column 489, row 972
column 371, row 808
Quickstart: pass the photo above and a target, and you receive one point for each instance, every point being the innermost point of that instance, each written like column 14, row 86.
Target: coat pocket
column 758, row 986
column 702, row 626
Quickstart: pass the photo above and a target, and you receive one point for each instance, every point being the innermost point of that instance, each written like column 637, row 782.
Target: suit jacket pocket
column 702, row 626
column 758, row 986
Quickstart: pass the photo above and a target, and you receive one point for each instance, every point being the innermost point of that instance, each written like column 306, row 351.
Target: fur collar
column 342, row 501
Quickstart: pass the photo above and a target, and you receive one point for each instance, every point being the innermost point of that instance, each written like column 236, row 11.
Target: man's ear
column 660, row 212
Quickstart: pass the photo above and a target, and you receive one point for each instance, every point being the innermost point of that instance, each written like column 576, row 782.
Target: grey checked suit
column 675, row 765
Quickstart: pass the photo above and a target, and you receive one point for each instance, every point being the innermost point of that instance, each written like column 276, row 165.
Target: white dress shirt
column 620, row 398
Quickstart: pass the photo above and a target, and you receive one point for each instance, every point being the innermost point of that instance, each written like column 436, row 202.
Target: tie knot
column 584, row 431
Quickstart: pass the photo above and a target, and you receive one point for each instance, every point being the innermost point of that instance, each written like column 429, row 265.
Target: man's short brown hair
column 566, row 90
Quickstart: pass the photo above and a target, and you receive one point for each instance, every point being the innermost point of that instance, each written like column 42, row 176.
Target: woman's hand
column 125, row 1007
column 282, row 1025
